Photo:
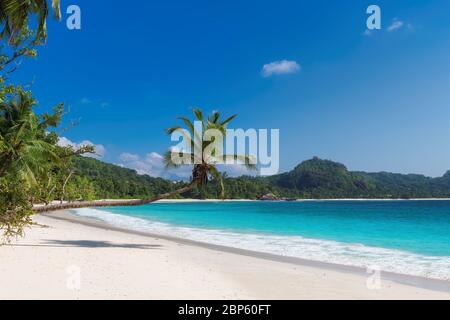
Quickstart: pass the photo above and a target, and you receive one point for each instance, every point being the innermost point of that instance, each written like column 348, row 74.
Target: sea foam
column 358, row 255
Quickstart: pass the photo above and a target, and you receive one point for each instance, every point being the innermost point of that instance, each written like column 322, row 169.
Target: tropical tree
column 32, row 165
column 27, row 150
column 15, row 207
column 19, row 37
column 26, row 146
column 15, row 16
column 204, row 164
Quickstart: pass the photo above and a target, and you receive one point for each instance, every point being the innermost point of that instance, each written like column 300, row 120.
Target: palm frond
column 188, row 124
column 248, row 161
column 198, row 114
column 56, row 5
column 228, row 120
column 25, row 145
column 186, row 136
column 203, row 168
column 215, row 117
column 191, row 128
column 15, row 16
column 216, row 126
column 169, row 155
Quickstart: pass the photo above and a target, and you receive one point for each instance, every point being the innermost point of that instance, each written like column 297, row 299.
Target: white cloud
column 128, row 157
column 100, row 150
column 85, row 100
column 102, row 104
column 367, row 32
column 152, row 164
column 153, row 156
column 280, row 67
column 395, row 25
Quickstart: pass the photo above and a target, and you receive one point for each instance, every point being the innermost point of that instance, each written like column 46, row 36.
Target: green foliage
column 319, row 179
column 79, row 189
column 10, row 54
column 33, row 168
column 313, row 179
column 197, row 143
column 15, row 16
column 244, row 187
column 28, row 152
column 113, row 182
column 27, row 147
column 15, row 207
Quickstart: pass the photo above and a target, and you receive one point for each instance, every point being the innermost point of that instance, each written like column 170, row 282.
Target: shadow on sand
column 89, row 244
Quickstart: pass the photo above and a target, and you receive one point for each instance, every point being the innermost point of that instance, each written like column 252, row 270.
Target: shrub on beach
column 15, row 208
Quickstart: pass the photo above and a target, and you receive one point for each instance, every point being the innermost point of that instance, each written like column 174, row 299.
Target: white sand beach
column 112, row 264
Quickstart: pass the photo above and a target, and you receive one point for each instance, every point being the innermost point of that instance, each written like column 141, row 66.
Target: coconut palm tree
column 15, row 15
column 204, row 166
column 24, row 145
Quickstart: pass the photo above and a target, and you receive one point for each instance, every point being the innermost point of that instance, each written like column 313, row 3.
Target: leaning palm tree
column 15, row 16
column 204, row 165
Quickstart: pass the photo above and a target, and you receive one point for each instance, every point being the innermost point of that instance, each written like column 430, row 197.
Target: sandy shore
column 251, row 200
column 112, row 264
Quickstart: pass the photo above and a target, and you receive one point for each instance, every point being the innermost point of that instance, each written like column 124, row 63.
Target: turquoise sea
column 410, row 237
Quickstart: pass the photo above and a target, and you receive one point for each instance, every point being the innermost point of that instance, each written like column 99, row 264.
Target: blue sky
column 378, row 102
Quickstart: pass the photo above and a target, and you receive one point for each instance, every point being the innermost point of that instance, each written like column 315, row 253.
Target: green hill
column 312, row 179
column 112, row 182
column 318, row 178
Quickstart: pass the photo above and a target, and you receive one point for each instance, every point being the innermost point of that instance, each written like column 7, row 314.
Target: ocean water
column 409, row 237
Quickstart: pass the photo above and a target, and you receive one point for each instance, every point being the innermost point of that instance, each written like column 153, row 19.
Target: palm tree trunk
column 112, row 203
column 63, row 191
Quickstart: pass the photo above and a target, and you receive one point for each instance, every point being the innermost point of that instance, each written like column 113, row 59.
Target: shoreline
column 41, row 207
column 438, row 285
column 295, row 200
column 64, row 258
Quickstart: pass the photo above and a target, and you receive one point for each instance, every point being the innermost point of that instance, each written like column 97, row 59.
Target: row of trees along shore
column 34, row 168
